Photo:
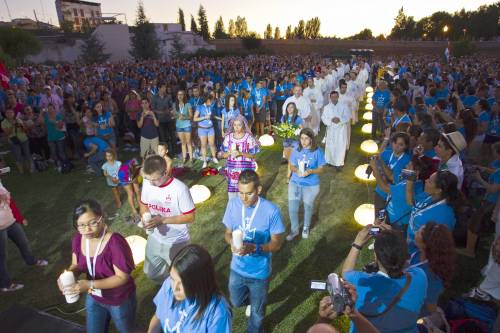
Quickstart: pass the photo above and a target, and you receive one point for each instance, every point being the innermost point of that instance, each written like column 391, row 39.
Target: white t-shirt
column 171, row 199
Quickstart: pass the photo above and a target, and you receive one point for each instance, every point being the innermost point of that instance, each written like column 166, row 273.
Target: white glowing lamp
column 360, row 173
column 369, row 89
column 138, row 246
column 365, row 214
column 367, row 115
column 369, row 146
column 256, row 166
column 369, row 107
column 369, row 101
column 266, row 140
column 369, row 95
column 367, row 128
column 199, row 193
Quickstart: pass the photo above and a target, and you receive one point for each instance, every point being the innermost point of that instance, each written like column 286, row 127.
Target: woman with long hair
column 436, row 257
column 183, row 112
column 203, row 116
column 190, row 299
column 229, row 112
column 105, row 125
column 239, row 149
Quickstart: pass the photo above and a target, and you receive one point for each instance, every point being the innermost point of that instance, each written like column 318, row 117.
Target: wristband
column 356, row 246
column 258, row 249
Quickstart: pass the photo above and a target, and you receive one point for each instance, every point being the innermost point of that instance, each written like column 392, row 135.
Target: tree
column 144, row 42
column 67, row 27
column 365, row 34
column 231, row 30
column 194, row 27
column 180, row 20
column 312, row 28
column 86, row 28
column 219, row 30
column 289, row 33
column 203, row 23
column 268, row 34
column 277, row 33
column 240, row 27
column 299, row 31
column 18, row 43
column 92, row 50
column 177, row 47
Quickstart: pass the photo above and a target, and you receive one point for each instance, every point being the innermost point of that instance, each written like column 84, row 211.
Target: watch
column 356, row 246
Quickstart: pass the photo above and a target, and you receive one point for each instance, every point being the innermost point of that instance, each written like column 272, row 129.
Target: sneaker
column 248, row 311
column 41, row 263
column 291, row 236
column 478, row 294
column 215, row 160
column 305, row 233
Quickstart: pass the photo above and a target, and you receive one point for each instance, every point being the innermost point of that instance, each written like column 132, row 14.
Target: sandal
column 41, row 262
column 12, row 287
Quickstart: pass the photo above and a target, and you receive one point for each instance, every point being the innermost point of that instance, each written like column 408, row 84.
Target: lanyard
column 396, row 123
column 247, row 223
column 392, row 165
column 245, row 105
column 90, row 267
column 419, row 210
column 420, row 263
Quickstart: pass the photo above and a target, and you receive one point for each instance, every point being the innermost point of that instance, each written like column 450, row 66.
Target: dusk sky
column 340, row 18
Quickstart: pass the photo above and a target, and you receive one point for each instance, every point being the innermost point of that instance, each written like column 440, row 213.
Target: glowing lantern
column 367, row 128
column 369, row 95
column 369, row 101
column 199, row 193
column 360, row 173
column 369, row 89
column 365, row 214
column 256, row 167
column 266, row 140
column 367, row 115
column 138, row 246
column 369, row 146
column 369, row 107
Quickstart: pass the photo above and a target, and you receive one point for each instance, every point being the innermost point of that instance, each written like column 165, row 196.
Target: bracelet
column 356, row 246
column 258, row 249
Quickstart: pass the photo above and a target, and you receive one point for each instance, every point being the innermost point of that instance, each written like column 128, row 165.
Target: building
column 168, row 33
column 78, row 12
column 27, row 24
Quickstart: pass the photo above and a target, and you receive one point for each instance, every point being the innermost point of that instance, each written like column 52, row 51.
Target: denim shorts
column 183, row 129
column 206, row 131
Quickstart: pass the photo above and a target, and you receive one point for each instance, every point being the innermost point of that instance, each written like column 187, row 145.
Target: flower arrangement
column 287, row 130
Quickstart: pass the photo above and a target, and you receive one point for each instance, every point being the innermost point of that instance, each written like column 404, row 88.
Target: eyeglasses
column 94, row 223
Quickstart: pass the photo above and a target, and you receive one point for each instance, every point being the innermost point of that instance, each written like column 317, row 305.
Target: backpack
column 467, row 308
column 127, row 171
column 40, row 163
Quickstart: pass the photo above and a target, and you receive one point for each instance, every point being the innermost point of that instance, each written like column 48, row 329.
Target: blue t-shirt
column 469, row 101
column 267, row 222
column 101, row 144
column 484, row 117
column 494, row 125
column 246, row 108
column 396, row 164
column 401, row 120
column 398, row 209
column 435, row 286
column 103, row 127
column 228, row 115
column 376, row 291
column 203, row 111
column 258, row 97
column 195, row 101
column 179, row 316
column 112, row 171
column 311, row 160
column 430, row 153
column 281, row 88
column 430, row 101
column 442, row 93
column 494, row 179
column 53, row 133
column 298, row 120
column 381, row 98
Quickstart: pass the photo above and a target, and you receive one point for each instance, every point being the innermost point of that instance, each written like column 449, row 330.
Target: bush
column 251, row 42
column 463, row 48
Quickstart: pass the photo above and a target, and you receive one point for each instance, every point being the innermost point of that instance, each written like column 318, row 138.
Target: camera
column 408, row 175
column 340, row 296
column 374, row 231
column 371, row 267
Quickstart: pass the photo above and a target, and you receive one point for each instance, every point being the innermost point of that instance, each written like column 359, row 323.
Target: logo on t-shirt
column 159, row 208
column 168, row 198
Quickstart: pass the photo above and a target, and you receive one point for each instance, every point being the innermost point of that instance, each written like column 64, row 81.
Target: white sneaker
column 291, row 236
column 215, row 160
column 204, row 164
column 248, row 311
column 305, row 233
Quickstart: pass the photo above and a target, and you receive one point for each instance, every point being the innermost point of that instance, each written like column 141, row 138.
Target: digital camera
column 408, row 175
column 340, row 296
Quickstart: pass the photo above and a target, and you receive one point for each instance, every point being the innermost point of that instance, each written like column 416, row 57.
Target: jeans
column 378, row 122
column 96, row 161
column 58, row 151
column 253, row 292
column 159, row 256
column 99, row 315
column 16, row 233
column 21, row 152
column 296, row 195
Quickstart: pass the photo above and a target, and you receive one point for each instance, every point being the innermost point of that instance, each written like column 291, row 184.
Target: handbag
column 435, row 322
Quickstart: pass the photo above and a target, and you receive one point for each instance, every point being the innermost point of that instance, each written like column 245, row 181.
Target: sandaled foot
column 41, row 262
column 12, row 287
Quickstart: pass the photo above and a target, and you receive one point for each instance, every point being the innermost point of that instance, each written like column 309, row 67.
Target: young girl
column 239, row 148
column 229, row 112
column 110, row 170
column 128, row 176
column 163, row 152
column 206, row 132
column 291, row 117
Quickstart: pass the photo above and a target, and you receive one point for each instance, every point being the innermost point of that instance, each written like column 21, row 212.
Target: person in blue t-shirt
column 254, row 230
column 436, row 257
column 401, row 116
column 483, row 117
column 230, row 111
column 470, row 99
column 105, row 125
column 390, row 298
column 391, row 161
column 190, row 299
column 380, row 100
column 259, row 96
column 96, row 148
column 492, row 186
column 306, row 163
column 247, row 108
column 438, row 205
column 206, row 132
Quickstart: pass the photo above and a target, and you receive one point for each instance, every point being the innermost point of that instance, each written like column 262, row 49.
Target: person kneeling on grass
column 95, row 154
column 190, row 299
column 306, row 163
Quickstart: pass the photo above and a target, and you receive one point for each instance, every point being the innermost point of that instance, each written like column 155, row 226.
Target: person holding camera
column 389, row 296
column 16, row 132
column 254, row 230
column 448, row 150
column 148, row 123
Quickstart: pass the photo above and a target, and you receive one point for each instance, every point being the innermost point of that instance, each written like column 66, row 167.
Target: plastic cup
column 237, row 239
column 67, row 279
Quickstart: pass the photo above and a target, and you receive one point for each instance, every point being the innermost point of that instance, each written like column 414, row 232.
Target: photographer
column 148, row 123
column 448, row 151
column 389, row 298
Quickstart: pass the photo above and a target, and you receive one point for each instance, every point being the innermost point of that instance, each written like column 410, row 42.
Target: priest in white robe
column 303, row 105
column 350, row 102
column 336, row 117
column 313, row 93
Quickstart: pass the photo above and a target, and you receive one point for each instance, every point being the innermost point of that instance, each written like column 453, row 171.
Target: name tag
column 97, row 292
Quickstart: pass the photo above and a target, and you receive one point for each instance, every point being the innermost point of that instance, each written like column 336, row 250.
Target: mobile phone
column 374, row 231
column 318, row 285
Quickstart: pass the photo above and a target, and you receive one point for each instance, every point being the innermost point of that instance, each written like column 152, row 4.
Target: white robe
column 336, row 134
column 316, row 98
column 351, row 104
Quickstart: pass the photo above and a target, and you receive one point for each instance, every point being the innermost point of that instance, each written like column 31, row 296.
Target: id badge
column 97, row 292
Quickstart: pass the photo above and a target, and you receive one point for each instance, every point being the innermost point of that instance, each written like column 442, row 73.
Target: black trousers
column 167, row 135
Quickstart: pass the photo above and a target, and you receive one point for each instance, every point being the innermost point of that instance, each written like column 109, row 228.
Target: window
column 97, row 13
column 92, row 13
column 81, row 13
column 77, row 21
column 75, row 12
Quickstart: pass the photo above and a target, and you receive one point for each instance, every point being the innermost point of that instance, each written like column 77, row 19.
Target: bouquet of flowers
column 287, row 130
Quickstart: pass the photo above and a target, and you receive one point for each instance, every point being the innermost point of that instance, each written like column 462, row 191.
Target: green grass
column 47, row 200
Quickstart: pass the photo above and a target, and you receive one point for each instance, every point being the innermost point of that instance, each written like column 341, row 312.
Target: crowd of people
column 436, row 122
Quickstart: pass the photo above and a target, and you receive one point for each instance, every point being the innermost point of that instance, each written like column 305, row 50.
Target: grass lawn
column 47, row 200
